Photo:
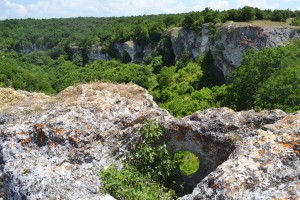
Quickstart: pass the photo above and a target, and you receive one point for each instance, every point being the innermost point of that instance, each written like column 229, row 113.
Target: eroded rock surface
column 263, row 166
column 232, row 40
column 53, row 147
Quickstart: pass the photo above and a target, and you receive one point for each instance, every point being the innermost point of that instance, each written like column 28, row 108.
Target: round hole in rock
column 189, row 162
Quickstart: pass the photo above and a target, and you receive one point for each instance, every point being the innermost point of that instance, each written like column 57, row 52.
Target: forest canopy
column 266, row 79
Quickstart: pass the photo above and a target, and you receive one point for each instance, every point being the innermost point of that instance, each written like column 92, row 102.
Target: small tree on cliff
column 248, row 13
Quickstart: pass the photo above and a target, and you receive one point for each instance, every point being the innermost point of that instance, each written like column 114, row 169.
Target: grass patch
column 130, row 183
column 189, row 162
column 264, row 23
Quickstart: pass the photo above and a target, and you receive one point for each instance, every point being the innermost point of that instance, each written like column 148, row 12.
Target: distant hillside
column 26, row 35
column 182, row 59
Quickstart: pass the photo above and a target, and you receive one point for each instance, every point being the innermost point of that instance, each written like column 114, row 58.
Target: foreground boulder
column 264, row 165
column 53, row 147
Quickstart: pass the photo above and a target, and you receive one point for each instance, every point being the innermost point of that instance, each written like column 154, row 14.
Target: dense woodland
column 265, row 80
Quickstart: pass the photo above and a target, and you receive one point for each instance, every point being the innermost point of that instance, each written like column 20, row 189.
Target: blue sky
column 103, row 8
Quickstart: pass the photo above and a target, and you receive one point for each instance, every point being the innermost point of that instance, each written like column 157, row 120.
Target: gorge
column 227, row 44
column 76, row 93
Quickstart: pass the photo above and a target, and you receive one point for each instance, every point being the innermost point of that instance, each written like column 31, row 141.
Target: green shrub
column 281, row 91
column 296, row 21
column 130, row 183
column 189, row 162
column 152, row 156
column 147, row 173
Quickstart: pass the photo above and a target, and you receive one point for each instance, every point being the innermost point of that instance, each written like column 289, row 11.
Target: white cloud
column 219, row 5
column 262, row 4
column 14, row 7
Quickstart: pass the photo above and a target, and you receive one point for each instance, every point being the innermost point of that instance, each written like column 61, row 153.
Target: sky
column 41, row 9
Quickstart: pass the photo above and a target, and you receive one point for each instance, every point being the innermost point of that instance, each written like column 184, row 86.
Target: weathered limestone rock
column 212, row 135
column 263, row 166
column 95, row 53
column 54, row 147
column 183, row 40
column 30, row 47
column 205, row 43
column 134, row 51
column 232, row 40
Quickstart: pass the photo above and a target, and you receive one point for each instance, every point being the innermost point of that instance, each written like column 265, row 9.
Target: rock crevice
column 54, row 147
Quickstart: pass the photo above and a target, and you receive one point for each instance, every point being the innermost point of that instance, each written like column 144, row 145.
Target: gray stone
column 95, row 53
column 188, row 41
column 232, row 40
column 54, row 147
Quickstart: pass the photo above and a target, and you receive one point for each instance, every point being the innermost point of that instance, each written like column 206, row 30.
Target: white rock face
column 96, row 54
column 58, row 153
column 28, row 48
column 205, row 43
column 231, row 41
column 54, row 147
column 189, row 41
column 133, row 49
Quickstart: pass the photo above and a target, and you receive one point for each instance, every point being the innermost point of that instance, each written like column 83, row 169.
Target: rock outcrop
column 264, row 165
column 95, row 53
column 232, row 40
column 132, row 49
column 30, row 47
column 53, row 147
column 228, row 44
column 188, row 41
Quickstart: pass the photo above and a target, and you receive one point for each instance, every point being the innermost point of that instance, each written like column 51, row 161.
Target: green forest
column 266, row 79
column 36, row 55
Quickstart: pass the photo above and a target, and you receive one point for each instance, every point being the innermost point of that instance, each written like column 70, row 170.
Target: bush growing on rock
column 266, row 79
column 296, row 21
column 147, row 173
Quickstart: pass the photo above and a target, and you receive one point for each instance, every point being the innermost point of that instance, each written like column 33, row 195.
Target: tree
column 256, row 67
column 248, row 13
column 170, row 20
column 296, row 21
column 157, row 64
column 280, row 15
column 281, row 91
column 187, row 22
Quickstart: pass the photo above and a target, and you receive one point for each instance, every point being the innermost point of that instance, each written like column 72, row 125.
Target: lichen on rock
column 53, row 147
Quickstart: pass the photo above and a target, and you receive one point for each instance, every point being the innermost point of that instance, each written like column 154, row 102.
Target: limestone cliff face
column 190, row 41
column 133, row 50
column 95, row 53
column 28, row 48
column 53, row 147
column 229, row 42
column 232, row 40
column 183, row 40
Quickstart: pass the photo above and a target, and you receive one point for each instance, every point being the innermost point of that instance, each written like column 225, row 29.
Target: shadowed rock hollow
column 53, row 147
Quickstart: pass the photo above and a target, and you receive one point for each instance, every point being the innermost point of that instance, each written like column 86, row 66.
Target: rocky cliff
column 232, row 40
column 228, row 43
column 53, row 147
